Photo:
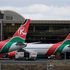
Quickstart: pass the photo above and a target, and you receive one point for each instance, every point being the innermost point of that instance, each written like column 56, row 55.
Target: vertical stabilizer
column 68, row 36
column 23, row 29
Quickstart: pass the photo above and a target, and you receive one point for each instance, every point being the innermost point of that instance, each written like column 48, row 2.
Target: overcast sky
column 39, row 9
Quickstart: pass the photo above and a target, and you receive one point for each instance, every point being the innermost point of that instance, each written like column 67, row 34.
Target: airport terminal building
column 44, row 31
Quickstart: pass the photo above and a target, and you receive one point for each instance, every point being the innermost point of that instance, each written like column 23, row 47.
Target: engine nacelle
column 21, row 44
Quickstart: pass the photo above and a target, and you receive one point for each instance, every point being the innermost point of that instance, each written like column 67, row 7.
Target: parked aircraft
column 17, row 41
column 50, row 49
column 44, row 49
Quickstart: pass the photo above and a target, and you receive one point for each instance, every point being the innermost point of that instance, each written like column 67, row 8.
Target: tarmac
column 43, row 64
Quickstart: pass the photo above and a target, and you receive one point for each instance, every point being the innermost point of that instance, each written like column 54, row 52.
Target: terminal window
column 1, row 15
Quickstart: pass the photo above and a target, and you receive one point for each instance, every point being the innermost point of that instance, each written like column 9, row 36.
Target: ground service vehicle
column 25, row 56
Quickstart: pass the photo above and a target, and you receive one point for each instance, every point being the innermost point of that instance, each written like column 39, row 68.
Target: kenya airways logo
column 22, row 30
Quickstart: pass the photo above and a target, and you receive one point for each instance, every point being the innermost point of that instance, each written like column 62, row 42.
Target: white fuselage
column 42, row 48
column 38, row 48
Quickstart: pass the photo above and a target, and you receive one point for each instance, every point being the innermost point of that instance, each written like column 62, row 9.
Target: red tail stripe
column 53, row 48
column 68, row 37
column 2, row 43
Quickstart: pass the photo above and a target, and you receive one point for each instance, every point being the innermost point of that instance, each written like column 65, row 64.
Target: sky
column 39, row 9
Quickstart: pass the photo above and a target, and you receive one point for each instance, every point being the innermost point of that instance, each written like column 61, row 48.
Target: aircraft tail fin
column 23, row 29
column 68, row 36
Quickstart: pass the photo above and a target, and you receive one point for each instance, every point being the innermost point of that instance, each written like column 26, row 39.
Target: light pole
column 1, row 30
column 1, row 22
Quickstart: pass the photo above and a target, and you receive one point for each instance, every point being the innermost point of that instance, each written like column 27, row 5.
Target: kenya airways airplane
column 17, row 41
column 49, row 49
column 46, row 49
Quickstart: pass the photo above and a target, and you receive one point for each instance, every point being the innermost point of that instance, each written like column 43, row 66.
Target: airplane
column 16, row 41
column 46, row 49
